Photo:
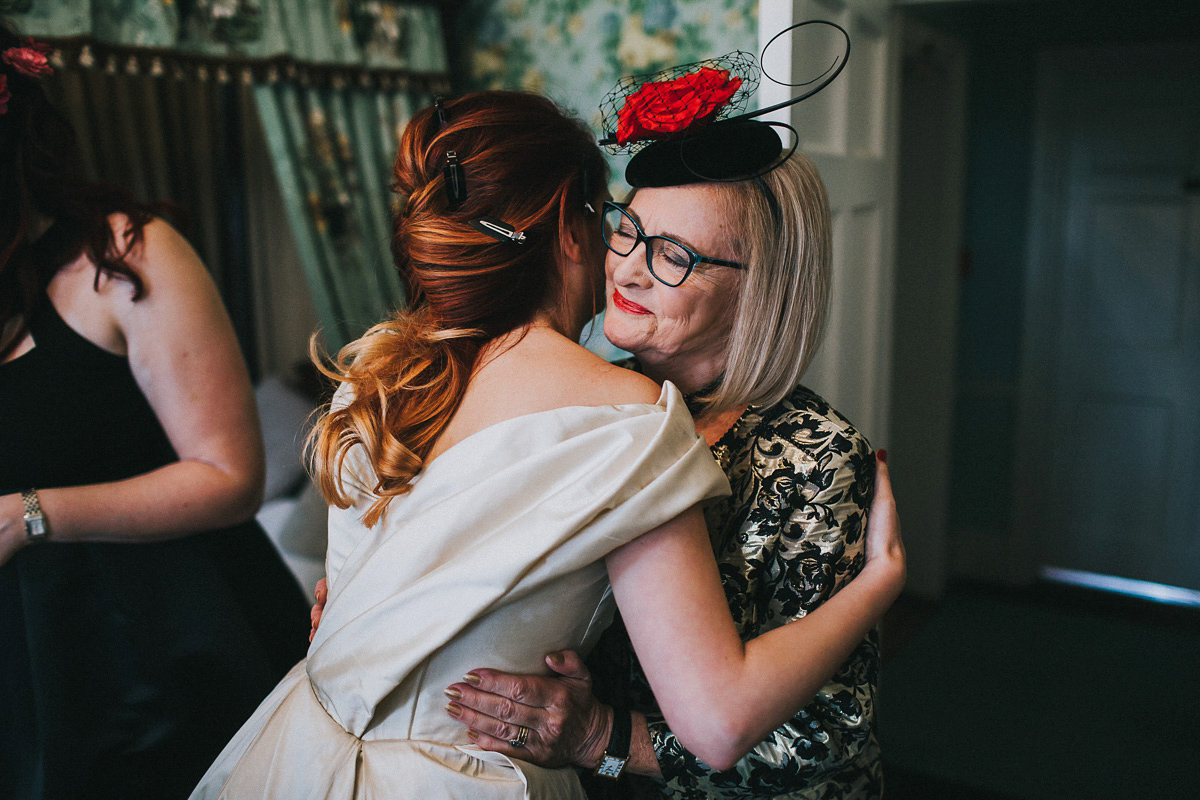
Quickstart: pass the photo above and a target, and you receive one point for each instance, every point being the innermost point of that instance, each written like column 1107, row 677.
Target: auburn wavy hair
column 525, row 162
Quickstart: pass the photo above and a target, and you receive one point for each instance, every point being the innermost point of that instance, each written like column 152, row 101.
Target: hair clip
column 443, row 120
column 456, row 184
column 585, row 184
column 498, row 230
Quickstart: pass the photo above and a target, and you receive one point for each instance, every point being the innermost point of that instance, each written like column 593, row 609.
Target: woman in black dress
column 145, row 614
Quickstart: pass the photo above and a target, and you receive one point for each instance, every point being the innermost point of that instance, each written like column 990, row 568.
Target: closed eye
column 625, row 231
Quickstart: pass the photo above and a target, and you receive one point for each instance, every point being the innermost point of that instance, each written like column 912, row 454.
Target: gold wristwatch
column 35, row 519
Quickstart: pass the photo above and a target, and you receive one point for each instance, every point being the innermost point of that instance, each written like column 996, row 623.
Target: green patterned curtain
column 334, row 82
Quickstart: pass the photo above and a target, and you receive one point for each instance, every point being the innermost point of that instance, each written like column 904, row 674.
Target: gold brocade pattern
column 791, row 534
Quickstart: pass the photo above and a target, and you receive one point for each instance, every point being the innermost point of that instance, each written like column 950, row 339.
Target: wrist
column 33, row 518
column 616, row 749
column 599, row 730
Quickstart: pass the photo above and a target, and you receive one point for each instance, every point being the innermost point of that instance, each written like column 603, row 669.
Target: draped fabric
column 159, row 89
column 333, row 150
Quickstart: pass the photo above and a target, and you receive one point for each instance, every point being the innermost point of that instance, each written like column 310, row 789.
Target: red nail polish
column 881, row 455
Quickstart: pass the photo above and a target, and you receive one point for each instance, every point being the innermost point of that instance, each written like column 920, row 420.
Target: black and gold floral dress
column 791, row 534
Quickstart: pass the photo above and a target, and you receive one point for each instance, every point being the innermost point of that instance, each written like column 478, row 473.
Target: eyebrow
column 668, row 235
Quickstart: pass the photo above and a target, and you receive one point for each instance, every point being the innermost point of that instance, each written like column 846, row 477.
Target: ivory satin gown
column 492, row 560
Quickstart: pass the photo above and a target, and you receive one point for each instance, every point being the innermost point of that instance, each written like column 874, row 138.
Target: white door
column 848, row 130
column 1109, row 459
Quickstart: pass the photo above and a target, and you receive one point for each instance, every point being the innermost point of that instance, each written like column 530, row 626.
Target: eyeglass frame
column 644, row 239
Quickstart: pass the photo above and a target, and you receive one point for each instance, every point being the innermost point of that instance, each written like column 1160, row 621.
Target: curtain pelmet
column 332, row 83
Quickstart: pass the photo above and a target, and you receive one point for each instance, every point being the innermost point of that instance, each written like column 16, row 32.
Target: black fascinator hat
column 687, row 124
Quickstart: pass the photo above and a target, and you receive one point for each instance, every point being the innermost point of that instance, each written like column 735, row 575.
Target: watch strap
column 616, row 752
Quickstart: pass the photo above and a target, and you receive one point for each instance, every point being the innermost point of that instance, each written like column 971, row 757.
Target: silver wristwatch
column 35, row 520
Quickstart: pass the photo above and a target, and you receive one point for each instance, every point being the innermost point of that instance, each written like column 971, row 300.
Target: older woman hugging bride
column 489, row 478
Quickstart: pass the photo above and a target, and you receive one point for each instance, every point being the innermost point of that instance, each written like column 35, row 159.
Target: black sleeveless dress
column 124, row 668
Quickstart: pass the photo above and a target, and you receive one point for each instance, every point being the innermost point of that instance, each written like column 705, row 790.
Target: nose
column 630, row 270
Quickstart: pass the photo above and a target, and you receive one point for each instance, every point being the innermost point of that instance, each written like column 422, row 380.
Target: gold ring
column 522, row 737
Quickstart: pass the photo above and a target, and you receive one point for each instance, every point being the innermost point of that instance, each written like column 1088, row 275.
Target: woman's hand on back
column 566, row 724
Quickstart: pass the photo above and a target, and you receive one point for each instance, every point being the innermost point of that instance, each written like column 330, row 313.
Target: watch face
column 610, row 767
column 35, row 528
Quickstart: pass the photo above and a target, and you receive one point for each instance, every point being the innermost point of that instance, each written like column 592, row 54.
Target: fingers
column 497, row 735
column 493, row 727
column 568, row 664
column 883, row 532
column 529, row 752
column 498, row 687
column 884, row 501
column 321, row 593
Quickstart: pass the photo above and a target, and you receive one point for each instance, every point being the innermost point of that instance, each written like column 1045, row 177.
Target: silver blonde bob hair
column 784, row 296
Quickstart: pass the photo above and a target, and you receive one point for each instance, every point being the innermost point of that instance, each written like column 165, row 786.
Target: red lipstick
column 628, row 306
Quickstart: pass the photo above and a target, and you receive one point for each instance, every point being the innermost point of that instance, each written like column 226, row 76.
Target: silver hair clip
column 498, row 230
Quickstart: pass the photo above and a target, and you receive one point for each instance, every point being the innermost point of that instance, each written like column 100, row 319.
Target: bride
column 488, row 477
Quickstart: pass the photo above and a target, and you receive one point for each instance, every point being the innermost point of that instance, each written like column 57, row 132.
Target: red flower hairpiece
column 31, row 58
column 5, row 94
column 677, row 101
column 661, row 108
column 687, row 123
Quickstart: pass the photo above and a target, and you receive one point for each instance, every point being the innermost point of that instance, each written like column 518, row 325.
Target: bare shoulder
column 592, row 381
column 546, row 370
column 161, row 248
column 626, row 385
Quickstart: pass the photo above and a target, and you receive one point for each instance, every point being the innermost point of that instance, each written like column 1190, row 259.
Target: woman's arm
column 722, row 696
column 552, row 707
column 186, row 361
column 802, row 539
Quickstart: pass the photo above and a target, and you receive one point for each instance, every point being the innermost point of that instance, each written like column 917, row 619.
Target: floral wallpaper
column 575, row 50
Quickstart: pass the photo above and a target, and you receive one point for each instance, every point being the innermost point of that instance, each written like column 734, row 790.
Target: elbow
column 720, row 739
column 248, row 502
column 720, row 755
column 242, row 495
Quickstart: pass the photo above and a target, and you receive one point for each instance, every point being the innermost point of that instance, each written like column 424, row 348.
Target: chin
column 614, row 335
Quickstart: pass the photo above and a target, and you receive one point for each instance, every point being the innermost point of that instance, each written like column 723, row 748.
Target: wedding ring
column 522, row 737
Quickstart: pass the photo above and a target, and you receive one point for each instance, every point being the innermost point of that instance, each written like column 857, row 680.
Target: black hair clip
column 498, row 230
column 443, row 120
column 456, row 183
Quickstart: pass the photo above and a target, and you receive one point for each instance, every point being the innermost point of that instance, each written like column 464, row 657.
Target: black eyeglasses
column 668, row 261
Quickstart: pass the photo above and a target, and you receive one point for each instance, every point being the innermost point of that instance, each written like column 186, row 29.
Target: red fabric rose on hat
column 30, row 59
column 657, row 110
column 5, row 94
